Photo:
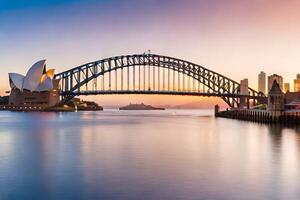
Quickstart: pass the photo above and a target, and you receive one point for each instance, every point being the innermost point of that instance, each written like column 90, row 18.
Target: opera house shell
column 37, row 87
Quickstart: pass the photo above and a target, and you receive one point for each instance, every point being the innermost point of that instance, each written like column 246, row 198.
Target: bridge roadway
column 156, row 92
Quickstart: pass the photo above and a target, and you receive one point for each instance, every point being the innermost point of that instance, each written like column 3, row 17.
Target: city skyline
column 215, row 34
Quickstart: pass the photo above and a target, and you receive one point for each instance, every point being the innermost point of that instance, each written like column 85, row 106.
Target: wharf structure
column 281, row 108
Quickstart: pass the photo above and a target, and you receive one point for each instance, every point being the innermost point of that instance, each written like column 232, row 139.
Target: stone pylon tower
column 275, row 100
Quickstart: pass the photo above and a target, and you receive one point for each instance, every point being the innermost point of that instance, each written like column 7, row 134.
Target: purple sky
column 233, row 37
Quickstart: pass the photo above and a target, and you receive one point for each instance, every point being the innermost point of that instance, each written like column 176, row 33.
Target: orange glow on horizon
column 157, row 100
column 237, row 39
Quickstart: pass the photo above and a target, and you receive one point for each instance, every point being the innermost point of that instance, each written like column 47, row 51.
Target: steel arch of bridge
column 218, row 85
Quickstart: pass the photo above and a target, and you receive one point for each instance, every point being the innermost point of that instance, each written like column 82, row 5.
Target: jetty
column 276, row 110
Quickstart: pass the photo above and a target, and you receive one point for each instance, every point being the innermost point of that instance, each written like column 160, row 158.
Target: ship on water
column 140, row 106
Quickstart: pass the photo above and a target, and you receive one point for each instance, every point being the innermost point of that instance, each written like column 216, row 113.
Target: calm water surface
column 128, row 155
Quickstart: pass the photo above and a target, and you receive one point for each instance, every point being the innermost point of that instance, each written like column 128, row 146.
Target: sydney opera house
column 36, row 88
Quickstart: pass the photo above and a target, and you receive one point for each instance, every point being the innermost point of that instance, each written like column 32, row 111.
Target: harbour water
column 133, row 155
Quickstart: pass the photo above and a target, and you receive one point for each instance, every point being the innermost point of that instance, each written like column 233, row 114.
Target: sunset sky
column 237, row 38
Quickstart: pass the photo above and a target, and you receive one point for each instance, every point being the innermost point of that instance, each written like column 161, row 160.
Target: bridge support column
column 217, row 108
column 248, row 103
column 242, row 102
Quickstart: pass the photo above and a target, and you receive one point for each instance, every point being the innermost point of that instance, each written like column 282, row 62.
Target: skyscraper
column 262, row 82
column 278, row 79
column 297, row 83
column 286, row 87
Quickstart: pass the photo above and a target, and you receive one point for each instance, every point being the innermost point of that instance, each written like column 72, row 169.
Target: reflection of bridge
column 151, row 74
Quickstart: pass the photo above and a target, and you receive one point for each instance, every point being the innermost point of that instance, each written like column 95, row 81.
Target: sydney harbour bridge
column 152, row 74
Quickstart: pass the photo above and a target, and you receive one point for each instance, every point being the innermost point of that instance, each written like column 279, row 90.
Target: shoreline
column 47, row 109
column 261, row 116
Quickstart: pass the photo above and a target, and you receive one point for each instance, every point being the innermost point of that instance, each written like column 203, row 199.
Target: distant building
column 278, row 79
column 292, row 97
column 297, row 83
column 36, row 89
column 262, row 82
column 286, row 87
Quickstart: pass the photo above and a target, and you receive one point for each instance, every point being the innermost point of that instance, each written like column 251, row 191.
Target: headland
column 140, row 106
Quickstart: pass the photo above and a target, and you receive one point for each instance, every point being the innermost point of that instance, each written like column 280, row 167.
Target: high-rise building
column 244, row 87
column 286, row 87
column 262, row 82
column 278, row 79
column 297, row 83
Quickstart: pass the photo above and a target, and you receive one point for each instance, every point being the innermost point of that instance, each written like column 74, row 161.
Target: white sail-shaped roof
column 37, row 78
column 46, row 84
column 33, row 76
column 16, row 80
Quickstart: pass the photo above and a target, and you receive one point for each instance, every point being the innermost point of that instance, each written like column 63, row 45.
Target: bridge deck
column 153, row 92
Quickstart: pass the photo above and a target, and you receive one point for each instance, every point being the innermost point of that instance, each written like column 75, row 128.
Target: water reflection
column 145, row 155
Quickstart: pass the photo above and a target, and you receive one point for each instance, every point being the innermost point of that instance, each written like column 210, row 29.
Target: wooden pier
column 261, row 116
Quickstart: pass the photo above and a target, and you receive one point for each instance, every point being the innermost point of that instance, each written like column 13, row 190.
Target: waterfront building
column 262, row 82
column 278, row 79
column 275, row 99
column 37, row 88
column 297, row 83
column 286, row 87
column 292, row 97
